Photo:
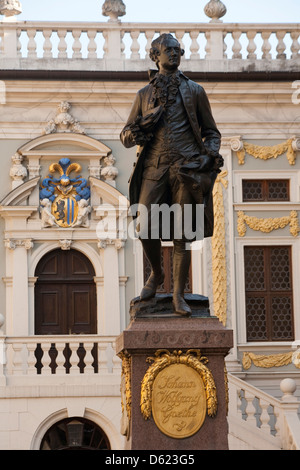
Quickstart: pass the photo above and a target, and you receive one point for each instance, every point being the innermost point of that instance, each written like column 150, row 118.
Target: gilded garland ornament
column 267, row 152
column 178, row 389
column 267, row 225
column 273, row 360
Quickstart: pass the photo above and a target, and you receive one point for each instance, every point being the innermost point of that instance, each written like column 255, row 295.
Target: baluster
column 208, row 45
column 31, row 47
column 237, row 47
column 122, row 45
column 92, row 46
column 266, row 47
column 264, row 417
column 46, row 361
column 250, row 409
column 239, row 403
column 135, row 46
column 149, row 36
column 295, row 46
column 117, row 363
column 224, row 46
column 194, row 45
column 62, row 45
column 74, row 359
column 2, row 42
column 105, row 45
column 88, row 358
column 76, row 44
column 31, row 360
column 17, row 359
column 9, row 363
column 277, row 415
column 281, row 45
column 19, row 45
column 60, row 358
column 179, row 36
column 102, row 358
column 2, row 361
column 251, row 45
column 47, row 44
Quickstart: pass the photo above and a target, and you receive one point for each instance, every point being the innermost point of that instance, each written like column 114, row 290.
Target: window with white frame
column 268, row 293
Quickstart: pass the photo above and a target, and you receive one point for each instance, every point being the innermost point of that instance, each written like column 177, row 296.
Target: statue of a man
column 178, row 159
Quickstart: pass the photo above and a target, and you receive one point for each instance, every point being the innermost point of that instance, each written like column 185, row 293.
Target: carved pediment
column 20, row 195
column 108, row 194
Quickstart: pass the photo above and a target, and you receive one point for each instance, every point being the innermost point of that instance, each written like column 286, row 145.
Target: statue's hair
column 157, row 43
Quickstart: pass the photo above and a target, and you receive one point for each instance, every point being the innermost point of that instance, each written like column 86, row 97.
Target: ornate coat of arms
column 64, row 200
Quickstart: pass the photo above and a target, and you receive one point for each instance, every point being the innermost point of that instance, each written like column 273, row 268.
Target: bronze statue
column 178, row 158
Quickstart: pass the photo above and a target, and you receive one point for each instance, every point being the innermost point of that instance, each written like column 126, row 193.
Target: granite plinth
column 150, row 332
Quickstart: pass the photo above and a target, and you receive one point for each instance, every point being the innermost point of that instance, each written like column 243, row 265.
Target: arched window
column 75, row 434
column 65, row 294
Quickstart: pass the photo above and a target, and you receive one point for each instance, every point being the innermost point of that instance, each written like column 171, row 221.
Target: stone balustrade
column 39, row 357
column 271, row 423
column 119, row 47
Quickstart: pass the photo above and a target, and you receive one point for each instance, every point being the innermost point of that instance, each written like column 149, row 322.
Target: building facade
column 70, row 264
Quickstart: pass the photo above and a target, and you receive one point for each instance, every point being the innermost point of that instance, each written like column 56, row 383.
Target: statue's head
column 163, row 50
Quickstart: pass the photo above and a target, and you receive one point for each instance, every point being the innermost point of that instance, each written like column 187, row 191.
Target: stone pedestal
column 155, row 327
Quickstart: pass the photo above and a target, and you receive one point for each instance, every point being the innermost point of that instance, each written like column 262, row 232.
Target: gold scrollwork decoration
column 226, row 388
column 266, row 225
column 192, row 358
column 219, row 271
column 125, row 393
column 267, row 152
column 273, row 360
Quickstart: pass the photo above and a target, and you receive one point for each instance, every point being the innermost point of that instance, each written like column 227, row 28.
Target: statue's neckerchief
column 166, row 88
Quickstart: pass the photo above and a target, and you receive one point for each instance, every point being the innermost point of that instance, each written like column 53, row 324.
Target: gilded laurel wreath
column 192, row 358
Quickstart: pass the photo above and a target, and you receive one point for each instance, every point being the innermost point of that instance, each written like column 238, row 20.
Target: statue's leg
column 152, row 192
column 181, row 266
column 181, row 253
column 152, row 249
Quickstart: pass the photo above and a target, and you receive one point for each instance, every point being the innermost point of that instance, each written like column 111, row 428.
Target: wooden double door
column 65, row 294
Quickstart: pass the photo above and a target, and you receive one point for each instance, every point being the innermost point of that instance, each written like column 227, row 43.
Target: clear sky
column 238, row 11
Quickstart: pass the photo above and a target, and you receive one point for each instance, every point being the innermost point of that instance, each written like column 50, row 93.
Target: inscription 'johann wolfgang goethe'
column 178, row 401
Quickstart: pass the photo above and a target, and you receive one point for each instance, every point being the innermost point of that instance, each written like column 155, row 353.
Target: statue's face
column 170, row 55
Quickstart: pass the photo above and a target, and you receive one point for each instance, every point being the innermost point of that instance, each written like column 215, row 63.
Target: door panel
column 65, row 294
column 48, row 306
column 77, row 266
column 82, row 300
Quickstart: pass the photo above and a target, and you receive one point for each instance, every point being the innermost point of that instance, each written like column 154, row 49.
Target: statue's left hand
column 219, row 162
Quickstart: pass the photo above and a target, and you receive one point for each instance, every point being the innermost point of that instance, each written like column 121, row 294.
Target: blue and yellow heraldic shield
column 64, row 192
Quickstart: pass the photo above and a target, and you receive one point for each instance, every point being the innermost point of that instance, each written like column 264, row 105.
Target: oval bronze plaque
column 178, row 401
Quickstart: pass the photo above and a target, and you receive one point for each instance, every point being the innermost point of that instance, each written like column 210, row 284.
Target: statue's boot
column 152, row 249
column 181, row 266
